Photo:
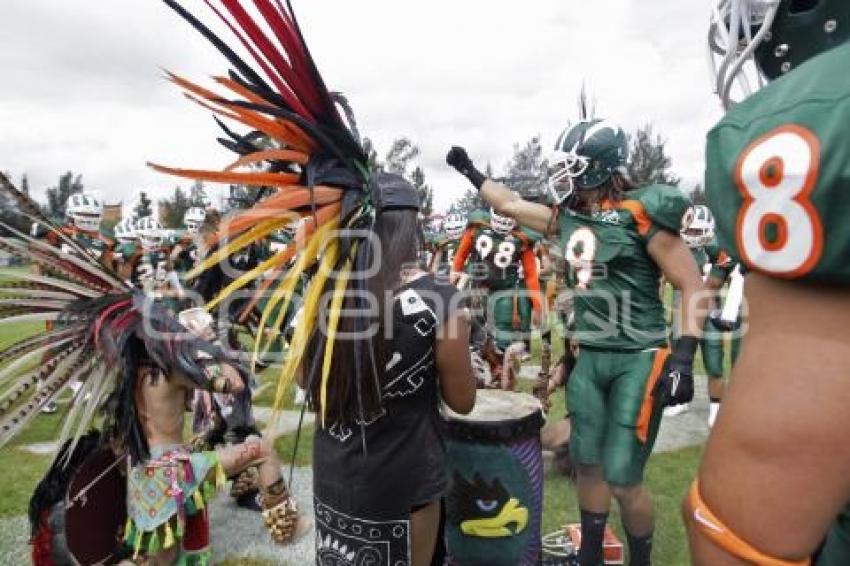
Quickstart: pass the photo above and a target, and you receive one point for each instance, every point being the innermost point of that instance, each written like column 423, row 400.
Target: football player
column 717, row 268
column 84, row 214
column 776, row 469
column 617, row 240
column 147, row 267
column 446, row 246
column 502, row 258
column 184, row 253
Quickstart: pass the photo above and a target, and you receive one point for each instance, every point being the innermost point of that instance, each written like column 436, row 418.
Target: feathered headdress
column 316, row 166
column 103, row 332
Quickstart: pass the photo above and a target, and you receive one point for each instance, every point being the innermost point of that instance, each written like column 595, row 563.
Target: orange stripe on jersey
column 532, row 280
column 645, row 415
column 463, row 250
column 637, row 211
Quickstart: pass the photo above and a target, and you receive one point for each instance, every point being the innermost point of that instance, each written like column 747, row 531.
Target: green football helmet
column 757, row 41
column 479, row 216
column 586, row 156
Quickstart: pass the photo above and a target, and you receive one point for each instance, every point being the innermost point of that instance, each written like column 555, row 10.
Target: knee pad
column 713, row 529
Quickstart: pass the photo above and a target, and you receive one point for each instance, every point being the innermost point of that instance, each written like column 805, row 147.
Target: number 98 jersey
column 498, row 257
column 778, row 174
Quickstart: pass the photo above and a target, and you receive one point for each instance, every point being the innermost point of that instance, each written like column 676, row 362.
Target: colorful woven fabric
column 164, row 494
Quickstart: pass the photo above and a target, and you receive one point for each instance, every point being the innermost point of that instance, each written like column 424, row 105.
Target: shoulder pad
column 666, row 206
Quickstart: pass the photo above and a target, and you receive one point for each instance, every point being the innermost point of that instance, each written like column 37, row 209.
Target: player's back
column 778, row 173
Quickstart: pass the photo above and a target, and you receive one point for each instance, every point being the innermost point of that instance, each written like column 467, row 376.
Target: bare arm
column 536, row 216
column 457, row 381
column 680, row 269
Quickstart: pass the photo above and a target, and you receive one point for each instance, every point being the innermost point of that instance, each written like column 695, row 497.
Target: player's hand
column 723, row 325
column 459, row 159
column 676, row 384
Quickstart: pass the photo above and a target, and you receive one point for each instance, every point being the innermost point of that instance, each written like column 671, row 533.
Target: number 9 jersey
column 778, row 174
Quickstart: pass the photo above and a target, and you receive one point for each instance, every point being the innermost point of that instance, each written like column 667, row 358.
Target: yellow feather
column 259, row 231
column 308, row 322
column 333, row 323
column 284, row 291
column 246, row 278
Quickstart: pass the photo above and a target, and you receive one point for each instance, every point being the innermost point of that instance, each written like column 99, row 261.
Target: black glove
column 676, row 384
column 723, row 325
column 459, row 159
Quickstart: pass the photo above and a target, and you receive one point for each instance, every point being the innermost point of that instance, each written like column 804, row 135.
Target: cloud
column 83, row 89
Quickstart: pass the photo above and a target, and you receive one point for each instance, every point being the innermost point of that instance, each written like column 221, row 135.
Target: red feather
column 269, row 51
column 284, row 90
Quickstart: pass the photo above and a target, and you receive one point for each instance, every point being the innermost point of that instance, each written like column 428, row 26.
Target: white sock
column 300, row 395
column 713, row 407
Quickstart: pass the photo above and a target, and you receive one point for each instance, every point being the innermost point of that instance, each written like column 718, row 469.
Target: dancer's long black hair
column 354, row 390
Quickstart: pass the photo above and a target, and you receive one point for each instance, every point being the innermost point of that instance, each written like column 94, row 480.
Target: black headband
column 392, row 192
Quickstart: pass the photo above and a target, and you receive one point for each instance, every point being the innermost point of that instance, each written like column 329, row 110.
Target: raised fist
column 459, row 159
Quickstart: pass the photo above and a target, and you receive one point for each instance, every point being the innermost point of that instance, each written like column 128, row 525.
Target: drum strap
column 82, row 493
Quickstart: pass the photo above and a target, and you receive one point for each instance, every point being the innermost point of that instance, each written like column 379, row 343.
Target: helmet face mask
column 149, row 232
column 454, row 226
column 85, row 211
column 757, row 41
column 193, row 219
column 503, row 225
column 700, row 231
column 125, row 231
column 564, row 168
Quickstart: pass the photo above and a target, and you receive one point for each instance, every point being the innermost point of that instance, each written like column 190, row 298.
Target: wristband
column 475, row 176
column 685, row 349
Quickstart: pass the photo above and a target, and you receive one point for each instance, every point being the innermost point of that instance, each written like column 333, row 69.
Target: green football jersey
column 617, row 284
column 778, row 174
column 186, row 255
column 497, row 258
column 149, row 268
column 94, row 243
column 447, row 248
column 712, row 261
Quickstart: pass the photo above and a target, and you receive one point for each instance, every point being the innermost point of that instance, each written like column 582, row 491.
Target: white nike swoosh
column 702, row 520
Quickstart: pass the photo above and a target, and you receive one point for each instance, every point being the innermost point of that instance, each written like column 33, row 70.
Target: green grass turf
column 668, row 475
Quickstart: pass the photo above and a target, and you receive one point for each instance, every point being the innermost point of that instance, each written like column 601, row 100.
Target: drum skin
column 494, row 502
column 94, row 519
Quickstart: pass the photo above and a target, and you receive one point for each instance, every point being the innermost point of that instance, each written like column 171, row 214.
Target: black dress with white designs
column 363, row 502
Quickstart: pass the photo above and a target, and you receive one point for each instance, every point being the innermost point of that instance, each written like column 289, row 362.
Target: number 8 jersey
column 778, row 174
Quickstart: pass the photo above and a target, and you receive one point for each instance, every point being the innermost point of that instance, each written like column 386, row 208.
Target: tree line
column 526, row 172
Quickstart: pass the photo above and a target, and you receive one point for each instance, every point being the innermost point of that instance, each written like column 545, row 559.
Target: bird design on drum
column 485, row 510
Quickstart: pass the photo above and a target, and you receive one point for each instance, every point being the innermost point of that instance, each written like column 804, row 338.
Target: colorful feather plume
column 302, row 142
column 99, row 334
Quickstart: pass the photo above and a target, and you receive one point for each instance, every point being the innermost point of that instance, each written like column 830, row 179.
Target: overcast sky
column 82, row 84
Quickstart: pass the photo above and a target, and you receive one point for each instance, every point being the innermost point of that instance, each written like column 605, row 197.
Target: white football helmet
column 85, row 211
column 149, row 231
column 700, row 231
column 193, row 219
column 125, row 231
column 503, row 225
column 454, row 226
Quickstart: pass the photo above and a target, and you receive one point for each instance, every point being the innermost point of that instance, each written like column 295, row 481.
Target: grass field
column 668, row 475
